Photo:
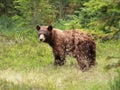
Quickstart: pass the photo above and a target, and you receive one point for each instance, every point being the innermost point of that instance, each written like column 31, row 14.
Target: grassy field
column 26, row 64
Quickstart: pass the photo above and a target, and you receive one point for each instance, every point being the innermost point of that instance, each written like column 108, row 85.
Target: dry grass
column 60, row 78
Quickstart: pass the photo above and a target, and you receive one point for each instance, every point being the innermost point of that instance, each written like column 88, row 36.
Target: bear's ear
column 50, row 27
column 38, row 27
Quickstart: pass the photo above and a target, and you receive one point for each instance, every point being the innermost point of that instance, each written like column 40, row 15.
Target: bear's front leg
column 59, row 60
column 59, row 57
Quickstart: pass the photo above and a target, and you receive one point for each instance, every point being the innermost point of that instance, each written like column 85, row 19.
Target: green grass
column 26, row 64
column 115, row 85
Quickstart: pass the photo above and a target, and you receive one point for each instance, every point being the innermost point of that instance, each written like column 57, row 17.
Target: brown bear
column 69, row 42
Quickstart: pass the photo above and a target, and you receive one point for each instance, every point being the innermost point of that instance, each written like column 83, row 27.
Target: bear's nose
column 40, row 39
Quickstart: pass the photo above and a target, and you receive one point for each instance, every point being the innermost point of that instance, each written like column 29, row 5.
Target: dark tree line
column 101, row 16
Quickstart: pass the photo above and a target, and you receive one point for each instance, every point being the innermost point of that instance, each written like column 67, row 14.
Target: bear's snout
column 42, row 38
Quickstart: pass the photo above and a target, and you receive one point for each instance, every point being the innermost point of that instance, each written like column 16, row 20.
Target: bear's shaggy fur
column 70, row 42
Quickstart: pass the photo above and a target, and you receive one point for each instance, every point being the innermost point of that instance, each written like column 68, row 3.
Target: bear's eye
column 38, row 35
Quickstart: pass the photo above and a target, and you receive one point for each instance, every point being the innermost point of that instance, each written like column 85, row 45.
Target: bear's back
column 77, row 35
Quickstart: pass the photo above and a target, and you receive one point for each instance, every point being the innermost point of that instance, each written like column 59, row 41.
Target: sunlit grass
column 51, row 78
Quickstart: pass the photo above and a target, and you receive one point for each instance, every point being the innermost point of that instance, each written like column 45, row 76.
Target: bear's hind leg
column 92, row 54
column 83, row 64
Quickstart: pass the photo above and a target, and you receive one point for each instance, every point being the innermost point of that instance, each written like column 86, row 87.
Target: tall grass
column 115, row 85
column 27, row 64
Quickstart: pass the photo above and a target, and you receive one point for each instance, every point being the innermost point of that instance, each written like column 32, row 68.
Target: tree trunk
column 35, row 14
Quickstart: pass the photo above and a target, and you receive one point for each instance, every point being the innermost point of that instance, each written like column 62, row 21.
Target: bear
column 76, row 43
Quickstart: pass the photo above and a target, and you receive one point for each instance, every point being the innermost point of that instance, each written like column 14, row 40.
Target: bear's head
column 44, row 33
